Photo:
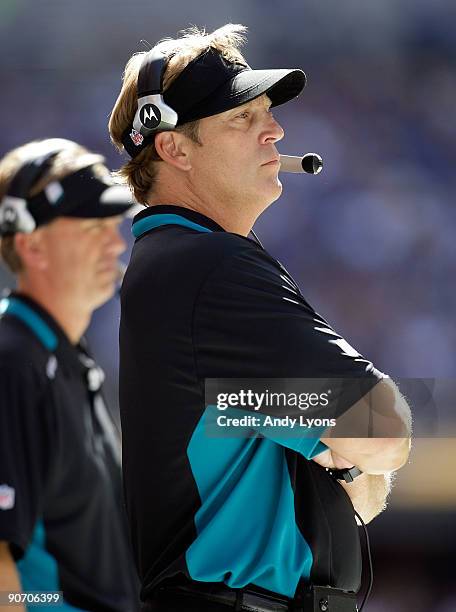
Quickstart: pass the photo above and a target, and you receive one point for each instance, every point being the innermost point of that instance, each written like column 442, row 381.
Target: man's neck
column 232, row 217
column 231, row 222
column 69, row 315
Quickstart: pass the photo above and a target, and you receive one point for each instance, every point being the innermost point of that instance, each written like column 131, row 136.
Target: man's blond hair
column 140, row 173
column 70, row 159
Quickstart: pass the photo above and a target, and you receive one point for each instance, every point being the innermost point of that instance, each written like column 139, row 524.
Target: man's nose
column 273, row 132
column 115, row 243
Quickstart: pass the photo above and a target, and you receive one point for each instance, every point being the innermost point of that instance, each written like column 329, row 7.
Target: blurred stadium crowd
column 371, row 241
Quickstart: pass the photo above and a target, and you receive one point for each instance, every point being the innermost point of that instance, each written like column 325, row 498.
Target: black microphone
column 310, row 163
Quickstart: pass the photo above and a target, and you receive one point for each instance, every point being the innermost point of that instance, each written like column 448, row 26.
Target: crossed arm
column 378, row 456
column 368, row 492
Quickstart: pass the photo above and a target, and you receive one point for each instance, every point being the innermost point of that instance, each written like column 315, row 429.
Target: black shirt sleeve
column 252, row 322
column 25, row 448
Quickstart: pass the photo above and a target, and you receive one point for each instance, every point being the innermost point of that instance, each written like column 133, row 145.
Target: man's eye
column 242, row 115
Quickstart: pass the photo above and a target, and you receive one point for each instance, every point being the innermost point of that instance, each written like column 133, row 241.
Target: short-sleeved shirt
column 200, row 303
column 61, row 507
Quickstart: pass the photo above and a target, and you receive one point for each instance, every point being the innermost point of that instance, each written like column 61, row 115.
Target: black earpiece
column 153, row 114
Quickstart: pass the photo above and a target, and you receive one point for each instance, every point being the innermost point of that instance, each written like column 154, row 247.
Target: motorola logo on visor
column 150, row 116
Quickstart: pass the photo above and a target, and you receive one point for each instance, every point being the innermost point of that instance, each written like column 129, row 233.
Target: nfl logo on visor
column 150, row 116
column 136, row 137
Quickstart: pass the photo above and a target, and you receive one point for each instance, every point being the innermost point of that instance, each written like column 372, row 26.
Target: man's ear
column 174, row 149
column 31, row 249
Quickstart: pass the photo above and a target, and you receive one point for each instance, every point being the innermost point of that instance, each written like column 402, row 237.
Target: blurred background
column 371, row 241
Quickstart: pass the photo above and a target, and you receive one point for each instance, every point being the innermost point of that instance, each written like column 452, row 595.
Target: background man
column 229, row 522
column 61, row 515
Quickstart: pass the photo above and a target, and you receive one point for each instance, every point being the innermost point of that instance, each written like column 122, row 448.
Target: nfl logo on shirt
column 6, row 497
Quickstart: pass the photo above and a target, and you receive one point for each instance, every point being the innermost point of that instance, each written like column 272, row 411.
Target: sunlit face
column 238, row 162
column 81, row 257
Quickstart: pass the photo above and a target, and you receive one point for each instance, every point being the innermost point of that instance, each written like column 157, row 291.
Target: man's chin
column 104, row 294
column 275, row 192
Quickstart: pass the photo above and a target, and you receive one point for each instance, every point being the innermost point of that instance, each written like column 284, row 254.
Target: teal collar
column 141, row 226
column 23, row 312
column 159, row 215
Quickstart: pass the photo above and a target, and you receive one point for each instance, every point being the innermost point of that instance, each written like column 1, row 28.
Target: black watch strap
column 348, row 475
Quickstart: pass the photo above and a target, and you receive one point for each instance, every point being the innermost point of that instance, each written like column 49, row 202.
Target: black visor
column 210, row 85
column 83, row 194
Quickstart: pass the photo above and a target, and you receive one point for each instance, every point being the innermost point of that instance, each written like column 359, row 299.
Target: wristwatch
column 348, row 474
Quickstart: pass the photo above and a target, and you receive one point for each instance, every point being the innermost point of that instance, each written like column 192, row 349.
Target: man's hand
column 368, row 492
column 375, row 433
column 330, row 459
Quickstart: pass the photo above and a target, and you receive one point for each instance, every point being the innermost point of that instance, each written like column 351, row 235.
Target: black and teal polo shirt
column 199, row 302
column 61, row 506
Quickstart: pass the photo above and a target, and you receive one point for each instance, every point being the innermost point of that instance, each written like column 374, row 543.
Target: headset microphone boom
column 311, row 163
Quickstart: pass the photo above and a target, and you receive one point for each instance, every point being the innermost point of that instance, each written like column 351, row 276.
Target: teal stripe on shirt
column 142, row 226
column 246, row 525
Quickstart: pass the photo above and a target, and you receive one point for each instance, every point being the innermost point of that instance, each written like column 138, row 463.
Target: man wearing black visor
column 62, row 527
column 252, row 521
